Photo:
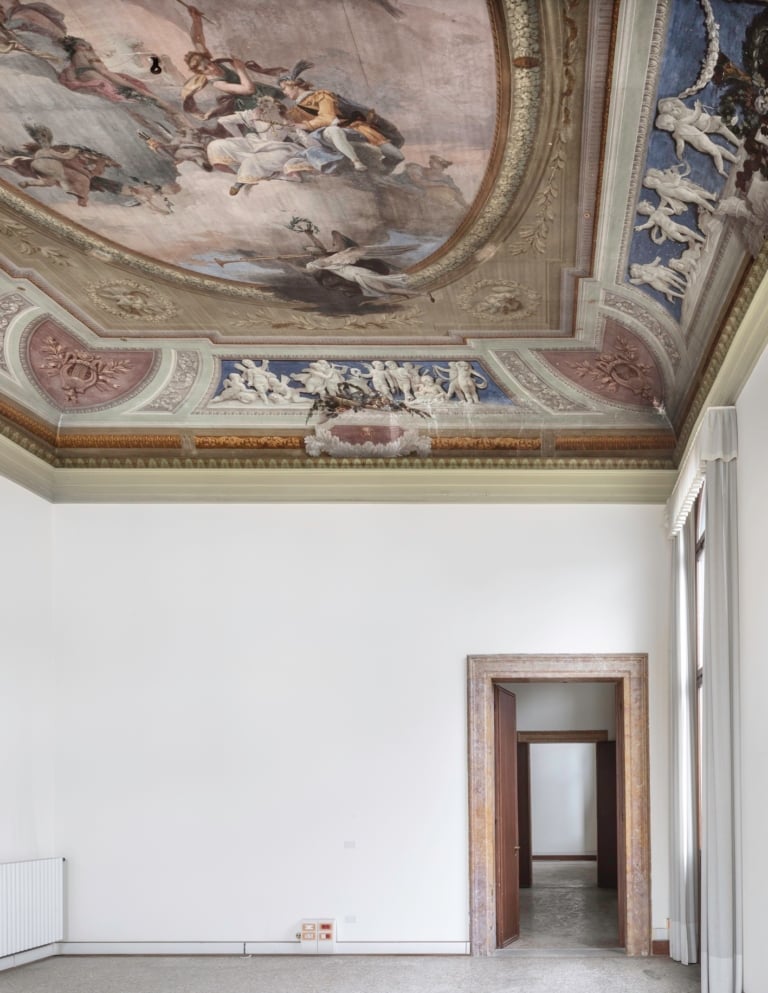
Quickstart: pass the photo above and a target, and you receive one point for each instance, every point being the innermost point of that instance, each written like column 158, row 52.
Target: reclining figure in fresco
column 337, row 124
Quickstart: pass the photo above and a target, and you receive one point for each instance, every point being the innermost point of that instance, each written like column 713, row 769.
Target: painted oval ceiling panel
column 317, row 151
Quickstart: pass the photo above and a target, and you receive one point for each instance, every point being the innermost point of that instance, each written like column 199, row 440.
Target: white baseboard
column 258, row 948
column 32, row 955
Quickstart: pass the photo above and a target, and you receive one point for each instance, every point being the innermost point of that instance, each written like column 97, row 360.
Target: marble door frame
column 630, row 674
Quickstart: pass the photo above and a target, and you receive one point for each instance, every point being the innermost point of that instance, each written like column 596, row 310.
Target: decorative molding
column 500, row 300
column 493, row 444
column 640, row 313
column 11, row 304
column 120, row 441
column 129, row 299
column 255, row 441
column 38, row 429
column 542, row 391
column 615, row 443
column 96, row 479
column 368, row 434
column 185, row 370
column 741, row 341
column 519, row 57
column 533, row 238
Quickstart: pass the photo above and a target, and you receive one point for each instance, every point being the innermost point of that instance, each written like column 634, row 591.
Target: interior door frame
column 630, row 674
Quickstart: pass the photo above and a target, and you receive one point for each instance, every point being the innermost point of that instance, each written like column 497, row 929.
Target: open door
column 507, row 843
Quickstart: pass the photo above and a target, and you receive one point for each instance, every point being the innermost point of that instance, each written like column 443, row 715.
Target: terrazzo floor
column 564, row 909
column 567, row 945
column 524, row 973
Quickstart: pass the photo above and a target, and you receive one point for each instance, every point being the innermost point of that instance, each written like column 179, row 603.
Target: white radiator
column 31, row 904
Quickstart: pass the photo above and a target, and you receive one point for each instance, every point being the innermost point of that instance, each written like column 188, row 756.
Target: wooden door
column 507, row 844
column 524, row 824
column 607, row 863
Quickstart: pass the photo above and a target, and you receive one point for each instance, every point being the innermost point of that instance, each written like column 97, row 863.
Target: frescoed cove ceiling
column 316, row 151
column 507, row 231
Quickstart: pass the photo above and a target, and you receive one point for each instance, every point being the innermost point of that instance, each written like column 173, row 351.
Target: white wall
column 250, row 690
column 563, row 799
column 565, row 706
column 752, row 412
column 26, row 677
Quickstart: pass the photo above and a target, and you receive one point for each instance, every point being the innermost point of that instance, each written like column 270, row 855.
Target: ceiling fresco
column 503, row 232
column 319, row 166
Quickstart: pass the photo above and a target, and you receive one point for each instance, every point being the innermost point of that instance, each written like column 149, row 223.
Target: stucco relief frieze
column 423, row 385
column 646, row 116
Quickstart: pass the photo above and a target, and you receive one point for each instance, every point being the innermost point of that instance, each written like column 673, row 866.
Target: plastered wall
column 262, row 709
column 26, row 676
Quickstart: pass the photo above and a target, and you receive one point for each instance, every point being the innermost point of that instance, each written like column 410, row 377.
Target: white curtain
column 684, row 856
column 721, row 924
column 711, row 460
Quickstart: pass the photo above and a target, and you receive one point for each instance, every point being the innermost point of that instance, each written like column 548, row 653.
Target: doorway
column 567, row 821
column 629, row 674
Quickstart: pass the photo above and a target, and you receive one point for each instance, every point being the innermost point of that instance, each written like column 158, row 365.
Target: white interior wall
column 563, row 799
column 752, row 466
column 263, row 708
column 27, row 683
column 565, row 706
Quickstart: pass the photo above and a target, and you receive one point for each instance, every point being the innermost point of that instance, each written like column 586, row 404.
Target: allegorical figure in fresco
column 86, row 72
column 230, row 76
column 263, row 152
column 337, row 123
column 40, row 18
column 73, row 168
